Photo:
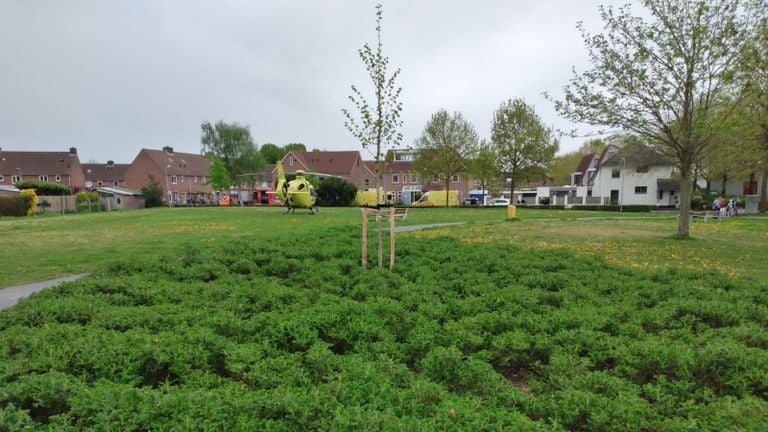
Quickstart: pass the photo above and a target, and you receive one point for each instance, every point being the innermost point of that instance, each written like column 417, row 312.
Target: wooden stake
column 365, row 237
column 391, row 238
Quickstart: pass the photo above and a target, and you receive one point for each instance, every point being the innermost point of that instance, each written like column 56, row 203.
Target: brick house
column 107, row 175
column 348, row 165
column 182, row 176
column 55, row 167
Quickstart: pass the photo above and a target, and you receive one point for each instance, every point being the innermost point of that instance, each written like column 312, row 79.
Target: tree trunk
column 763, row 187
column 723, row 187
column 447, row 191
column 686, row 190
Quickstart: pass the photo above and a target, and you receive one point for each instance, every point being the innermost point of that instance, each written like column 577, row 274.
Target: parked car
column 500, row 202
column 470, row 201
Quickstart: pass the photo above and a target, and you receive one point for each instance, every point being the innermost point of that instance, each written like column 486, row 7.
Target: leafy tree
column 336, row 192
column 293, row 147
column 522, row 143
column 377, row 125
column 563, row 165
column 483, row 166
column 661, row 77
column 232, row 143
column 754, row 75
column 153, row 193
column 445, row 146
column 218, row 177
column 271, row 153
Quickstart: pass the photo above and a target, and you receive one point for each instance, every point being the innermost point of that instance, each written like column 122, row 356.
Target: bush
column 29, row 200
column 336, row 192
column 12, row 206
column 43, row 188
column 153, row 193
column 82, row 197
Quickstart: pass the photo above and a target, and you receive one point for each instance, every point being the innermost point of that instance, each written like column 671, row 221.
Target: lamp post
column 621, row 192
column 167, row 185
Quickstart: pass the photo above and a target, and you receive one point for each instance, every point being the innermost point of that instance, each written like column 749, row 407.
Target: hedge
column 12, row 206
column 43, row 188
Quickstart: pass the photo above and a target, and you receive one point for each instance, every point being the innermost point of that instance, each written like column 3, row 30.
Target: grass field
column 33, row 249
column 249, row 319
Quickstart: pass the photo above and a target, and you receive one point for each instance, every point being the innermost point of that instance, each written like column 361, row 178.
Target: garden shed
column 114, row 198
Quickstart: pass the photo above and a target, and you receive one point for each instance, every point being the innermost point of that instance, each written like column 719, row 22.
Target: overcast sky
column 111, row 77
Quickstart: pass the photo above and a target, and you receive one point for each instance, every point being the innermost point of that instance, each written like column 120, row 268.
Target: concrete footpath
column 11, row 295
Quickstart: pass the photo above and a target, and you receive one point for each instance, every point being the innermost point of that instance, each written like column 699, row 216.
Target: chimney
column 110, row 163
column 168, row 149
column 73, row 151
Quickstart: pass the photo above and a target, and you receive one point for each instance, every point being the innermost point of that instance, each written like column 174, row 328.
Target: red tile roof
column 186, row 164
column 31, row 163
column 108, row 173
column 328, row 162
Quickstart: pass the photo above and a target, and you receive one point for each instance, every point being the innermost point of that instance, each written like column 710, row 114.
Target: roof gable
column 179, row 163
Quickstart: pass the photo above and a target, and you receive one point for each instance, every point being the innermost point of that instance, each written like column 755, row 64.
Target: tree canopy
column 521, row 141
column 661, row 77
column 232, row 143
column 444, row 148
column 218, row 177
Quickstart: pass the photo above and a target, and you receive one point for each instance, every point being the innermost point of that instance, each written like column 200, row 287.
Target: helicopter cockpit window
column 301, row 186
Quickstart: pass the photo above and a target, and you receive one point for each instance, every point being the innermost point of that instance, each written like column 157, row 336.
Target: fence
column 62, row 203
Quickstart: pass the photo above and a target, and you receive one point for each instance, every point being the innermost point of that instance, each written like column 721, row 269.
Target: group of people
column 730, row 208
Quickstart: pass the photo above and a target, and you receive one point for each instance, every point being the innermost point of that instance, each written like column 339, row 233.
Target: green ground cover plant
column 281, row 330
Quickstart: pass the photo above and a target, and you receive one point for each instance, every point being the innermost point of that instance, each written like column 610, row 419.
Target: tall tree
column 271, row 153
column 754, row 75
column 661, row 77
column 376, row 125
column 521, row 141
column 564, row 165
column 483, row 166
column 294, row 147
column 218, row 177
column 444, row 148
column 232, row 143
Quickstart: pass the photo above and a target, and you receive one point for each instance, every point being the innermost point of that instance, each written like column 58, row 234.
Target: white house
column 635, row 175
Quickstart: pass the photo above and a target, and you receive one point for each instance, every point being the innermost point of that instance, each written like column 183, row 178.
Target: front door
column 614, row 196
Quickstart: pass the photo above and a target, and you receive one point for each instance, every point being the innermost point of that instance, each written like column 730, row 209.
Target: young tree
column 483, row 166
column 661, row 77
column 153, row 193
column 377, row 126
column 444, row 148
column 232, row 143
column 218, row 177
column 522, row 143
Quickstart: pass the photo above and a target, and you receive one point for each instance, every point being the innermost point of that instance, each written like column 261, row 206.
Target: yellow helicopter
column 297, row 193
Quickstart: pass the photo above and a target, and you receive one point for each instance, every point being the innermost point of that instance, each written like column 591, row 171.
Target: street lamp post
column 167, row 185
column 621, row 193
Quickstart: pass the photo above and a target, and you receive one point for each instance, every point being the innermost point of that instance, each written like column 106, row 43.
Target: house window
column 2, row 179
column 88, row 183
column 202, row 179
column 641, row 190
column 642, row 169
column 367, row 182
column 173, row 179
column 290, row 161
column 589, row 192
column 414, row 178
column 58, row 178
column 43, row 178
column 661, row 195
column 615, row 173
column 182, row 179
column 15, row 179
column 395, row 178
column 195, row 179
column 478, row 183
column 98, row 183
column 114, row 183
column 455, row 178
column 435, row 179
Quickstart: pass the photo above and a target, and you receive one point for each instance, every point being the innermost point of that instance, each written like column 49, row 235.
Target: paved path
column 9, row 296
column 405, row 228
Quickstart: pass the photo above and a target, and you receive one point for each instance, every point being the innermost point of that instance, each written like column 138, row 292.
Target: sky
column 111, row 77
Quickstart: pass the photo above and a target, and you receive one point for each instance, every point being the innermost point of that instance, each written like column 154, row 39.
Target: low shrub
column 12, row 206
column 29, row 198
column 43, row 188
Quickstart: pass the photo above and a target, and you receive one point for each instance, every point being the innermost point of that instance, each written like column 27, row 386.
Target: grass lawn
column 40, row 248
column 249, row 319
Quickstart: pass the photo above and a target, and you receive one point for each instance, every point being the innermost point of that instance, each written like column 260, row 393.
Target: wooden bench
column 703, row 215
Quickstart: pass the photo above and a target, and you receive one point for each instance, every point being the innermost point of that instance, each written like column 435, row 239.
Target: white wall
column 604, row 184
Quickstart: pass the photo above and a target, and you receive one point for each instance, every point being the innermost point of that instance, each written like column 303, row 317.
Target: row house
column 402, row 183
column 348, row 165
column 182, row 176
column 104, row 175
column 55, row 167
